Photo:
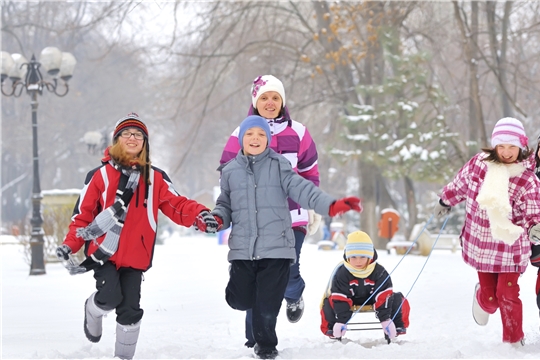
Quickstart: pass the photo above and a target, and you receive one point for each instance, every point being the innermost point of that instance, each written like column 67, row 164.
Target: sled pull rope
column 399, row 262
column 423, row 266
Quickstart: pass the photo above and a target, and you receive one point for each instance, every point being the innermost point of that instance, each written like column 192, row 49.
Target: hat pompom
column 359, row 244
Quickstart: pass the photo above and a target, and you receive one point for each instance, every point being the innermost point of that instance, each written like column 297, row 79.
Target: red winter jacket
column 137, row 240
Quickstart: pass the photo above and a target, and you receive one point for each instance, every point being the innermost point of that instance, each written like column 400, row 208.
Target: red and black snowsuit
column 346, row 290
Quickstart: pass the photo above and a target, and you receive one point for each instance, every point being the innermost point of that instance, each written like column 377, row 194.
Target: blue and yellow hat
column 359, row 244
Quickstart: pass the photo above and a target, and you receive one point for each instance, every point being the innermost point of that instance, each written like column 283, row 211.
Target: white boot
column 480, row 315
column 126, row 340
column 93, row 316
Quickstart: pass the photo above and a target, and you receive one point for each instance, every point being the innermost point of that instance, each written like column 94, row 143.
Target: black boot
column 265, row 353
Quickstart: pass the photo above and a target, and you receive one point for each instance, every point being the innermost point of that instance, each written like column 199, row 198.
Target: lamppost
column 26, row 74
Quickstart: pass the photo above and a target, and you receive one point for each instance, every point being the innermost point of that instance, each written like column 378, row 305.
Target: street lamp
column 27, row 75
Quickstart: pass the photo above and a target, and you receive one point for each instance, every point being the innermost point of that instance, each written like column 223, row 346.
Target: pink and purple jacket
column 292, row 140
column 480, row 250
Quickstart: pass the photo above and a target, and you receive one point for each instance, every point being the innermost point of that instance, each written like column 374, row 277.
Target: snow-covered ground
column 186, row 315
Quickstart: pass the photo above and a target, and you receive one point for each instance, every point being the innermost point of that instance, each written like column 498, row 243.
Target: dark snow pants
column 501, row 291
column 259, row 285
column 121, row 290
column 537, row 289
column 295, row 286
column 400, row 313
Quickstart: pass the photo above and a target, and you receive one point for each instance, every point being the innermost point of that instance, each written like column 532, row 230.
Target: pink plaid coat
column 480, row 250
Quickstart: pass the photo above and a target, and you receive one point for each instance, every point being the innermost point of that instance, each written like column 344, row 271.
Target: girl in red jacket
column 115, row 218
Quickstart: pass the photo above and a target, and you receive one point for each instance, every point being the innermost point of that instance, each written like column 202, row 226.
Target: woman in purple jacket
column 502, row 202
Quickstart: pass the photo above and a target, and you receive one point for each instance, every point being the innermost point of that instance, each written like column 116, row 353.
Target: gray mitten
column 62, row 252
column 75, row 269
column 441, row 209
column 534, row 234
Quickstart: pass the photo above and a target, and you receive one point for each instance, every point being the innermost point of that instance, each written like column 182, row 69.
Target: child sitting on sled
column 360, row 280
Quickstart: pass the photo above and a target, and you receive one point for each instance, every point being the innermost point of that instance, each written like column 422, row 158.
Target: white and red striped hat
column 509, row 131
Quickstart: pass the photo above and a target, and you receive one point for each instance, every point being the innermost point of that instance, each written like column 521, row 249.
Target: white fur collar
column 493, row 197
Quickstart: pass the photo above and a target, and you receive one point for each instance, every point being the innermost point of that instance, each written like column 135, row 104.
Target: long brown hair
column 493, row 157
column 536, row 158
column 119, row 154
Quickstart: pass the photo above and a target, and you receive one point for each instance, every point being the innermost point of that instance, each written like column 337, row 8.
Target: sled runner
column 365, row 325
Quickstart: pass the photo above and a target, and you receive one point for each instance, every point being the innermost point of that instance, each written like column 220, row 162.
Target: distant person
column 255, row 186
column 115, row 219
column 292, row 140
column 327, row 235
column 359, row 280
column 502, row 202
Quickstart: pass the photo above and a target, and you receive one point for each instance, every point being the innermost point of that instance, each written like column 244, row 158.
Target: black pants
column 259, row 285
column 121, row 290
column 400, row 313
column 295, row 286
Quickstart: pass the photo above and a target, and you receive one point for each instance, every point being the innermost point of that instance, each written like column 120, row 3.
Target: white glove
column 314, row 222
column 389, row 328
column 534, row 234
column 441, row 209
column 339, row 330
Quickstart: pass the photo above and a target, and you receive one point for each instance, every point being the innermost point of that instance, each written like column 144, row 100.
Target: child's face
column 131, row 144
column 358, row 262
column 507, row 153
column 254, row 141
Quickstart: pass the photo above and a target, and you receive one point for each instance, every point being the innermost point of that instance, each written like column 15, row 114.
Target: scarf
column 110, row 222
column 493, row 197
column 360, row 273
column 363, row 273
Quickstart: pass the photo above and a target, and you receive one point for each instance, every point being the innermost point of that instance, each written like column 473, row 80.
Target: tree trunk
column 499, row 53
column 412, row 209
column 477, row 118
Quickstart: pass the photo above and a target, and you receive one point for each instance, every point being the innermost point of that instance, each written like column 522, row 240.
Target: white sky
column 186, row 315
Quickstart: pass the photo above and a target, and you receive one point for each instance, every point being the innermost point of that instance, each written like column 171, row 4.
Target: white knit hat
column 266, row 83
column 509, row 131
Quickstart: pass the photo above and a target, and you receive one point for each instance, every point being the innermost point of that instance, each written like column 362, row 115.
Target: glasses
column 127, row 134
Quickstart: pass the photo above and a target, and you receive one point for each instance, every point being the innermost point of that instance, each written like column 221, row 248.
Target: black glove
column 62, row 252
column 206, row 222
column 441, row 209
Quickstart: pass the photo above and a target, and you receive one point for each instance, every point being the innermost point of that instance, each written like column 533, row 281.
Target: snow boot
column 93, row 316
column 480, row 316
column 295, row 310
column 265, row 353
column 518, row 344
column 126, row 340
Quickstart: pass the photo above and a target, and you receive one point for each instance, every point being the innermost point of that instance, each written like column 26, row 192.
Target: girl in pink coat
column 502, row 204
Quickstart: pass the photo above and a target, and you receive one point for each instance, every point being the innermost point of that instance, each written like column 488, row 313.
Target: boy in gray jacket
column 255, row 186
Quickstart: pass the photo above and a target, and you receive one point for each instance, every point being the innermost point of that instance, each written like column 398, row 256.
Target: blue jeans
column 295, row 286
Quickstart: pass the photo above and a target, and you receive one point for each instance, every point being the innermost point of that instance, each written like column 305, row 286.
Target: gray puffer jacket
column 254, row 191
